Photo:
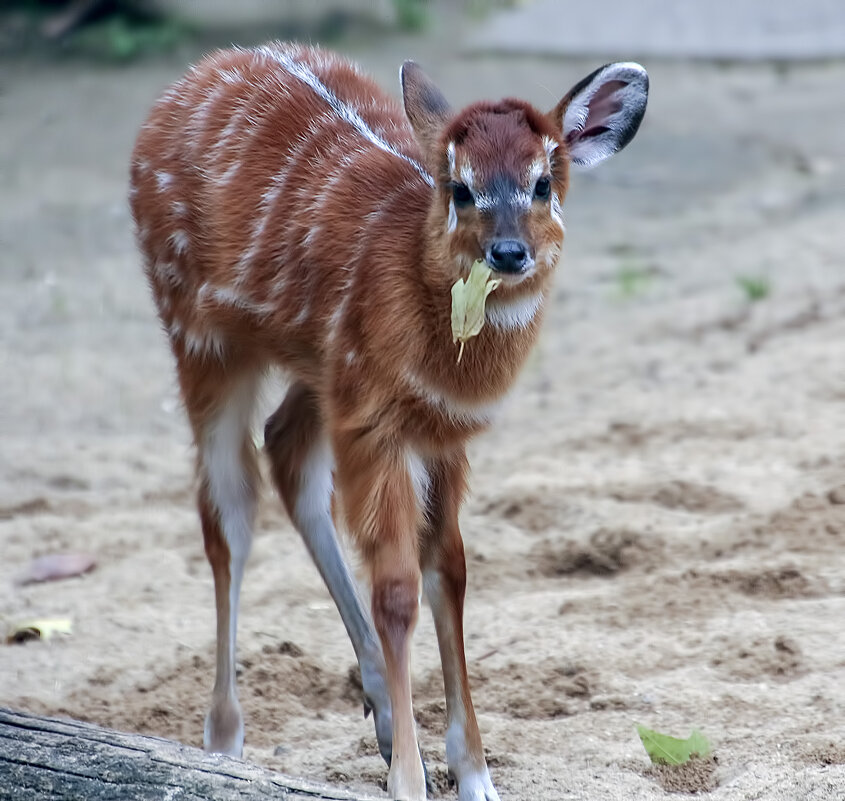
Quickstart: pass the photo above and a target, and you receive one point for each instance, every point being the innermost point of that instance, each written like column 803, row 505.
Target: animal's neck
column 492, row 360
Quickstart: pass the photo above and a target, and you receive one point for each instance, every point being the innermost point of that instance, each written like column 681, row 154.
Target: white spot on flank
column 336, row 320
column 230, row 172
column 179, row 208
column 180, row 242
column 168, row 273
column 513, row 314
column 350, row 357
column 303, row 314
column 452, row 222
column 199, row 116
column 341, row 108
column 163, row 180
column 226, row 296
column 204, row 344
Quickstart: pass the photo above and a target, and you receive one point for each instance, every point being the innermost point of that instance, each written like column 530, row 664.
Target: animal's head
column 502, row 169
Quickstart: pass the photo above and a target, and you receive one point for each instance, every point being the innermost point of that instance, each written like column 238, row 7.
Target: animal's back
column 254, row 182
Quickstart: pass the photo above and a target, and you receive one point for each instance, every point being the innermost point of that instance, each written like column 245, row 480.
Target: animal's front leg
column 383, row 511
column 444, row 579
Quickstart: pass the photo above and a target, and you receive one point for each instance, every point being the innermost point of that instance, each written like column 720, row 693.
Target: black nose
column 508, row 256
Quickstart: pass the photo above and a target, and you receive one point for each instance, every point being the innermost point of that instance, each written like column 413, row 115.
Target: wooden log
column 48, row 758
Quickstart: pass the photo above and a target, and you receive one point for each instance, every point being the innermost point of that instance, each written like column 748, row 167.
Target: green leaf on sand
column 666, row 750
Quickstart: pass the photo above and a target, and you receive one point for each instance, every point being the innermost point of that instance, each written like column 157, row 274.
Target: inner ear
column 601, row 113
column 425, row 106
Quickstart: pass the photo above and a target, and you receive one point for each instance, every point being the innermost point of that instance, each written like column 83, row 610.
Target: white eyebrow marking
column 537, row 169
column 557, row 211
column 452, row 223
column 467, row 175
column 450, row 154
column 342, row 109
column 518, row 199
column 550, row 146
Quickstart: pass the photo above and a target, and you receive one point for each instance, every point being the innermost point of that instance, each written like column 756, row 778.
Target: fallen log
column 47, row 758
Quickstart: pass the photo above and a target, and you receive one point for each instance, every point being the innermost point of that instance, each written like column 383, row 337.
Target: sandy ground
column 655, row 533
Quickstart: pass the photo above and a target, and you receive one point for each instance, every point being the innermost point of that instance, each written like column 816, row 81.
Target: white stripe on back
column 342, row 109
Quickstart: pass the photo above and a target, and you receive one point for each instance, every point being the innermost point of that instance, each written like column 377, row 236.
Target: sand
column 655, row 532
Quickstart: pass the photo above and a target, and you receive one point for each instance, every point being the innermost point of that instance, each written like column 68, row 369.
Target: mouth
column 512, row 277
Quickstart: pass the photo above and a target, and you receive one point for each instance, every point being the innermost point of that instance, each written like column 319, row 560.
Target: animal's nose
column 508, row 256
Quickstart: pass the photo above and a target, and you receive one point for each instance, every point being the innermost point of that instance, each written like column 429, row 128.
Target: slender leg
column 302, row 464
column 444, row 580
column 228, row 480
column 383, row 511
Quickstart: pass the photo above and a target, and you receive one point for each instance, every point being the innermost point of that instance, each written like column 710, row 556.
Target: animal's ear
column 425, row 105
column 601, row 114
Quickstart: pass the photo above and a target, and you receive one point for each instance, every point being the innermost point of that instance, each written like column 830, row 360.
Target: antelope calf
column 290, row 214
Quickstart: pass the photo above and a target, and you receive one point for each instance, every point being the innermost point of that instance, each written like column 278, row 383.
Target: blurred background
column 657, row 522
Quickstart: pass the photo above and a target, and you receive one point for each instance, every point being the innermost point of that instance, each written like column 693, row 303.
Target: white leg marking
column 420, row 478
column 474, row 784
column 473, row 778
column 231, row 491
column 313, row 520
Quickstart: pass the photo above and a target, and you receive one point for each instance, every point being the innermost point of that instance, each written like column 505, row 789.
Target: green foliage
column 120, row 38
column 633, row 279
column 411, row 15
column 755, row 288
column 665, row 750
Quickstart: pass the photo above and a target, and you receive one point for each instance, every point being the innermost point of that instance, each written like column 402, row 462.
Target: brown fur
column 341, row 273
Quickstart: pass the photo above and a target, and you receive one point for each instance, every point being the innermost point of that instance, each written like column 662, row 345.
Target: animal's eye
column 461, row 194
column 542, row 188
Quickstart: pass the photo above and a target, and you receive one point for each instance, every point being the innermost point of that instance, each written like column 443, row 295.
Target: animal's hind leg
column 220, row 409
column 302, row 464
